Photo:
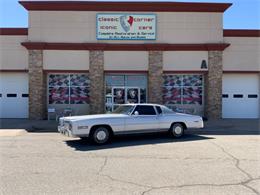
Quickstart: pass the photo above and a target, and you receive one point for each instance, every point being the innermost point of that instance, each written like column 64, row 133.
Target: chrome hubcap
column 178, row 130
column 101, row 135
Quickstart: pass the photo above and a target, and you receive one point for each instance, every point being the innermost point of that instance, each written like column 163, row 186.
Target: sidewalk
column 230, row 127
column 29, row 125
column 223, row 126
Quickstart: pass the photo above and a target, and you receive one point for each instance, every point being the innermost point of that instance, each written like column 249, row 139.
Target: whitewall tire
column 100, row 135
column 177, row 130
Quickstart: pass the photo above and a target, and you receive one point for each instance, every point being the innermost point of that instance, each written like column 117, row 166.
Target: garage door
column 13, row 95
column 240, row 96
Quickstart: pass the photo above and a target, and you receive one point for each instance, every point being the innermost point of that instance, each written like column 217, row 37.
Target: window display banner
column 119, row 95
column 132, row 95
column 126, row 27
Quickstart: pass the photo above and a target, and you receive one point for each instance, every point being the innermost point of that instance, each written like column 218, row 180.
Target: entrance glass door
column 122, row 89
column 124, row 95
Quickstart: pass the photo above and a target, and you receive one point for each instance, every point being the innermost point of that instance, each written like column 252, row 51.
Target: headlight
column 61, row 120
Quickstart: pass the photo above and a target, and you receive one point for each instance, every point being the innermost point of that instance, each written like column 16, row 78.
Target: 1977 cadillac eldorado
column 126, row 119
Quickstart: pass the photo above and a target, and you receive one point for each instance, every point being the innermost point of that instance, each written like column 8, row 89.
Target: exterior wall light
column 203, row 64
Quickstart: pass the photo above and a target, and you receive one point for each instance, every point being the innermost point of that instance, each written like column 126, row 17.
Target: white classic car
column 126, row 119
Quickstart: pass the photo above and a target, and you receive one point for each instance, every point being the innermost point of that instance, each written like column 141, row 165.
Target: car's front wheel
column 100, row 135
column 177, row 130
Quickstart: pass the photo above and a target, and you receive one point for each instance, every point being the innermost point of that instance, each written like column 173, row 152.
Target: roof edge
column 13, row 31
column 125, row 47
column 241, row 33
column 124, row 6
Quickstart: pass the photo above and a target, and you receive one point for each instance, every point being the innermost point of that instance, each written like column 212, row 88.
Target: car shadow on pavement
column 226, row 131
column 132, row 140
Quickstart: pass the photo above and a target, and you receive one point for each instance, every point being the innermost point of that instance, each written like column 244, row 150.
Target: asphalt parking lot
column 49, row 163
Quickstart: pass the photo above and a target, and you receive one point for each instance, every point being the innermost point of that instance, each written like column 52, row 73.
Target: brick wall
column 96, row 76
column 37, row 86
column 213, row 85
column 155, row 79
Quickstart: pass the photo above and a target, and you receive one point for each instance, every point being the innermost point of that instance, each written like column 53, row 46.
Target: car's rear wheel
column 100, row 135
column 177, row 130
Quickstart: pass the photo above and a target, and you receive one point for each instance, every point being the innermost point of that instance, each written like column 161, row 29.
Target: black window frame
column 225, row 95
column 11, row 95
column 25, row 95
column 238, row 96
column 252, row 96
column 141, row 114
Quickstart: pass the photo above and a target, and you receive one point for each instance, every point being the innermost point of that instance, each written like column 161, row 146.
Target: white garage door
column 240, row 96
column 13, row 95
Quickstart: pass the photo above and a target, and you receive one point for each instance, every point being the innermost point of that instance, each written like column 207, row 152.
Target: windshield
column 124, row 109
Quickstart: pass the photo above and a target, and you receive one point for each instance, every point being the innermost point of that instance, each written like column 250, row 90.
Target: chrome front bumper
column 65, row 131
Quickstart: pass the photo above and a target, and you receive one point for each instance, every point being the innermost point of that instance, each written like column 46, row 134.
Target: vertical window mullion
column 202, row 87
column 182, row 86
column 69, row 88
column 48, row 97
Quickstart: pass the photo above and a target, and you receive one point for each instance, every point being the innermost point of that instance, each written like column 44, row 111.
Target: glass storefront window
column 183, row 89
column 79, row 95
column 135, row 80
column 68, row 88
column 59, row 80
column 58, row 95
column 172, row 95
column 192, row 95
column 115, row 80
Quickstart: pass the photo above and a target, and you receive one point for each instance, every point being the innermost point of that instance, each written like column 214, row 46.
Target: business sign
column 126, row 27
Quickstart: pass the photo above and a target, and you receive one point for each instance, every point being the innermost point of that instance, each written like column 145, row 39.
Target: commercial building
column 92, row 56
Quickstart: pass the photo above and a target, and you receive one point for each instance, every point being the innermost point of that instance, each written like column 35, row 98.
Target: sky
column 243, row 14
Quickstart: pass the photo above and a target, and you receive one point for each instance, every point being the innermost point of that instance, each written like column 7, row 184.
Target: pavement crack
column 146, row 191
column 237, row 161
column 114, row 179
column 245, row 184
column 103, row 166
column 252, row 189
column 126, row 182
column 210, row 185
column 151, row 188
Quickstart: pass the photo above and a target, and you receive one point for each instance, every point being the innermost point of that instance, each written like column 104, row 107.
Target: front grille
column 67, row 125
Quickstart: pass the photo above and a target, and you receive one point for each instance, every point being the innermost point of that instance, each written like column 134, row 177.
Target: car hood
column 94, row 116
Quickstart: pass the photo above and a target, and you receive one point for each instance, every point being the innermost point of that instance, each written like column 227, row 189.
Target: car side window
column 159, row 110
column 145, row 110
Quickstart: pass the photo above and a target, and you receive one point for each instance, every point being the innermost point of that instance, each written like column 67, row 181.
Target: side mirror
column 136, row 113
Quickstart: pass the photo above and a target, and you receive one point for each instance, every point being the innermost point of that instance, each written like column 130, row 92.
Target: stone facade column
column 258, row 96
column 155, row 79
column 37, row 86
column 213, row 85
column 96, row 76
